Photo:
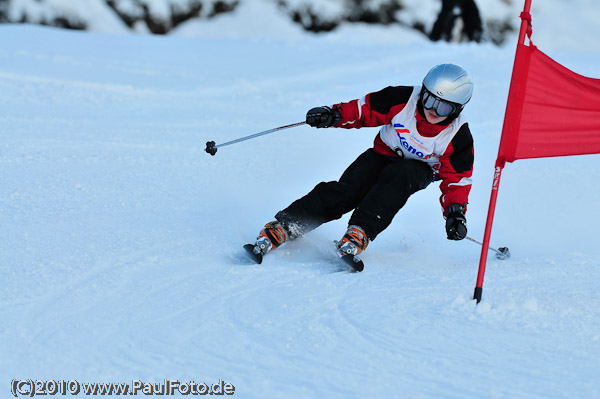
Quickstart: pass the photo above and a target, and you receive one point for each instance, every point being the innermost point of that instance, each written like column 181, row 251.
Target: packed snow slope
column 121, row 238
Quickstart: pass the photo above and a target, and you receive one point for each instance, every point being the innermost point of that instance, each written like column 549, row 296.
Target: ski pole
column 501, row 253
column 211, row 146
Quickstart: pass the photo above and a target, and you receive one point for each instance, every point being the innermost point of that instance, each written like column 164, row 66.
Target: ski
column 355, row 263
column 257, row 257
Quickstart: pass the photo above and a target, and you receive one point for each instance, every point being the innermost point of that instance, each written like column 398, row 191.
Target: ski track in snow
column 121, row 238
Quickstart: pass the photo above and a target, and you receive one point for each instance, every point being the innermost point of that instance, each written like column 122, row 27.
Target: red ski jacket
column 447, row 147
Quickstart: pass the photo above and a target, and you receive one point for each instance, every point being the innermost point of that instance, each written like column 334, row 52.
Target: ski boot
column 353, row 242
column 269, row 238
column 351, row 245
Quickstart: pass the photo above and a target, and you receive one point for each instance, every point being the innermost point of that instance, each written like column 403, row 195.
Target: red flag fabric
column 551, row 110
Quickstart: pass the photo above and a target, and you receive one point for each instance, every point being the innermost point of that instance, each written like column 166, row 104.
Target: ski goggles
column 440, row 106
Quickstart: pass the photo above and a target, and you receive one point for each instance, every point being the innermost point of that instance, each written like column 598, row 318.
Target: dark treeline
column 305, row 13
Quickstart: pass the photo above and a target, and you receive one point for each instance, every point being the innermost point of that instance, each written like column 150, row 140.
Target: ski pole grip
column 210, row 147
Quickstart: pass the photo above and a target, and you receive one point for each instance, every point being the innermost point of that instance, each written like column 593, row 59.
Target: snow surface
column 120, row 247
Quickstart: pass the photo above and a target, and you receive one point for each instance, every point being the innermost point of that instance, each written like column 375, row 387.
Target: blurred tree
column 497, row 30
column 325, row 16
column 37, row 12
column 3, row 11
column 373, row 11
column 162, row 17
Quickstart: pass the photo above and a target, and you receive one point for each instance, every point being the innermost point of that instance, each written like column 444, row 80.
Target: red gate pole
column 488, row 231
column 500, row 161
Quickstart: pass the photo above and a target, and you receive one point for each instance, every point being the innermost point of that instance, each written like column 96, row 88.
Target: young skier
column 423, row 138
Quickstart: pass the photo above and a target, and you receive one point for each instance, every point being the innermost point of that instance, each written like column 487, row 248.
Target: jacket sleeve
column 456, row 169
column 374, row 109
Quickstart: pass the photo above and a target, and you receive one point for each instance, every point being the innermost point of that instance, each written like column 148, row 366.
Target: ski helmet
column 446, row 83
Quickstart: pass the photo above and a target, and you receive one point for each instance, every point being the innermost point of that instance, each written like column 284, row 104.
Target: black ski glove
column 456, row 223
column 323, row 117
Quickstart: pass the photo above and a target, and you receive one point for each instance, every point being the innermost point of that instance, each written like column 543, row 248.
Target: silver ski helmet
column 446, row 88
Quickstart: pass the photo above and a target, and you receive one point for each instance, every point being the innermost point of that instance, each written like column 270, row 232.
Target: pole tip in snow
column 477, row 294
column 503, row 253
column 210, row 147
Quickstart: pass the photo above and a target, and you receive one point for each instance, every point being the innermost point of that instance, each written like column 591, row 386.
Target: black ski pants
column 374, row 186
